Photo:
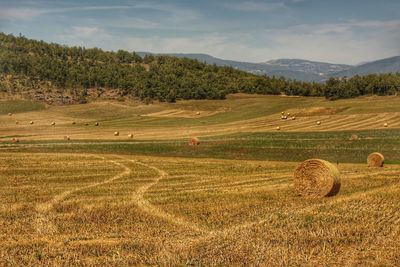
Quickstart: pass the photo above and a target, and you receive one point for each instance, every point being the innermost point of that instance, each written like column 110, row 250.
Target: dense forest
column 161, row 78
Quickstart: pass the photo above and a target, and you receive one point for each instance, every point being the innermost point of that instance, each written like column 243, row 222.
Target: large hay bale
column 96, row 124
column 318, row 123
column 375, row 159
column 194, row 141
column 293, row 118
column 197, row 113
column 53, row 123
column 316, row 178
column 66, row 137
column 130, row 135
column 385, row 124
column 31, row 122
column 354, row 137
column 116, row 133
column 278, row 128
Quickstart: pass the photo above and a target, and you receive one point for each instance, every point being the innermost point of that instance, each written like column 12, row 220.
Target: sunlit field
column 100, row 200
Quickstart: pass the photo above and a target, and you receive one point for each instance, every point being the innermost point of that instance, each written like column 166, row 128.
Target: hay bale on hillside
column 10, row 114
column 96, row 124
column 278, row 128
column 53, row 123
column 116, row 133
column 130, row 135
column 15, row 140
column 17, row 122
column 316, row 178
column 293, row 118
column 385, row 124
column 284, row 117
column 375, row 159
column 73, row 123
column 318, row 123
column 354, row 137
column 197, row 113
column 31, row 122
column 283, row 113
column 66, row 137
column 194, row 141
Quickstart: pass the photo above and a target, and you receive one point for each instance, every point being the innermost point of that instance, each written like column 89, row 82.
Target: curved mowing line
column 146, row 206
column 44, row 225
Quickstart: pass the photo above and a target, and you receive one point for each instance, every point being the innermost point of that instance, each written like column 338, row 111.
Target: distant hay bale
column 284, row 117
column 31, row 122
column 283, row 113
column 116, row 133
column 10, row 114
column 385, row 124
column 293, row 118
column 66, row 137
column 130, row 135
column 288, row 114
column 354, row 137
column 194, row 141
column 318, row 123
column 316, row 178
column 96, row 124
column 375, row 159
column 197, row 113
column 17, row 122
column 278, row 128
column 73, row 123
column 15, row 140
column 53, row 123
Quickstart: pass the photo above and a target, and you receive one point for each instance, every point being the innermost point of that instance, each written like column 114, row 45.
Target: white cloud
column 251, row 6
column 19, row 13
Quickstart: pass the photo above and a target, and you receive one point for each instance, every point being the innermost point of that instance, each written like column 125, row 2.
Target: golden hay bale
column 354, row 137
column 283, row 113
column 15, row 140
column 96, row 124
column 194, row 141
column 9, row 114
column 385, row 124
column 288, row 114
column 375, row 159
column 73, row 123
column 17, row 122
column 116, row 133
column 278, row 128
column 53, row 123
column 31, row 122
column 318, row 123
column 66, row 137
column 198, row 113
column 293, row 118
column 130, row 135
column 316, row 178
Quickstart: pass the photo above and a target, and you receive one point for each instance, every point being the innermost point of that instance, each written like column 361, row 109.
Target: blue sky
column 339, row 31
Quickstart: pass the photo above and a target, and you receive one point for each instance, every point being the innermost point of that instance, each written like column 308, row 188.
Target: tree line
column 162, row 78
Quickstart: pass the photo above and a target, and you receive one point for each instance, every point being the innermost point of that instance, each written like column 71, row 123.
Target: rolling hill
column 387, row 65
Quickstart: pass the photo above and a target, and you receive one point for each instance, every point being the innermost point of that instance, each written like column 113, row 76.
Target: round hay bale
column 116, row 133
column 53, row 123
column 15, row 140
column 194, row 141
column 375, row 159
column 385, row 124
column 10, row 114
column 17, row 122
column 283, row 113
column 96, row 124
column 288, row 114
column 354, row 137
column 316, row 178
column 197, row 113
column 293, row 118
column 278, row 128
column 318, row 123
column 31, row 122
column 66, row 137
column 73, row 123
column 130, row 135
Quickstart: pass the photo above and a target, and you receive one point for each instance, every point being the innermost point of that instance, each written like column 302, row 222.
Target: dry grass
column 88, row 210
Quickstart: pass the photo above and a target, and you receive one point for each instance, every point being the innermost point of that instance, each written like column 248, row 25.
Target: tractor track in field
column 146, row 206
column 43, row 222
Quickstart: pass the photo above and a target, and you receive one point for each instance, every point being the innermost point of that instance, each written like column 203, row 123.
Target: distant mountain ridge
column 299, row 69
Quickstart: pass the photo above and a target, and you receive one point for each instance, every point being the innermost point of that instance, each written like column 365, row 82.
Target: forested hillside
column 29, row 65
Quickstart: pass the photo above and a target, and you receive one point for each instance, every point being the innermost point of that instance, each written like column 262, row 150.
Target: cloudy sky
column 339, row 31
